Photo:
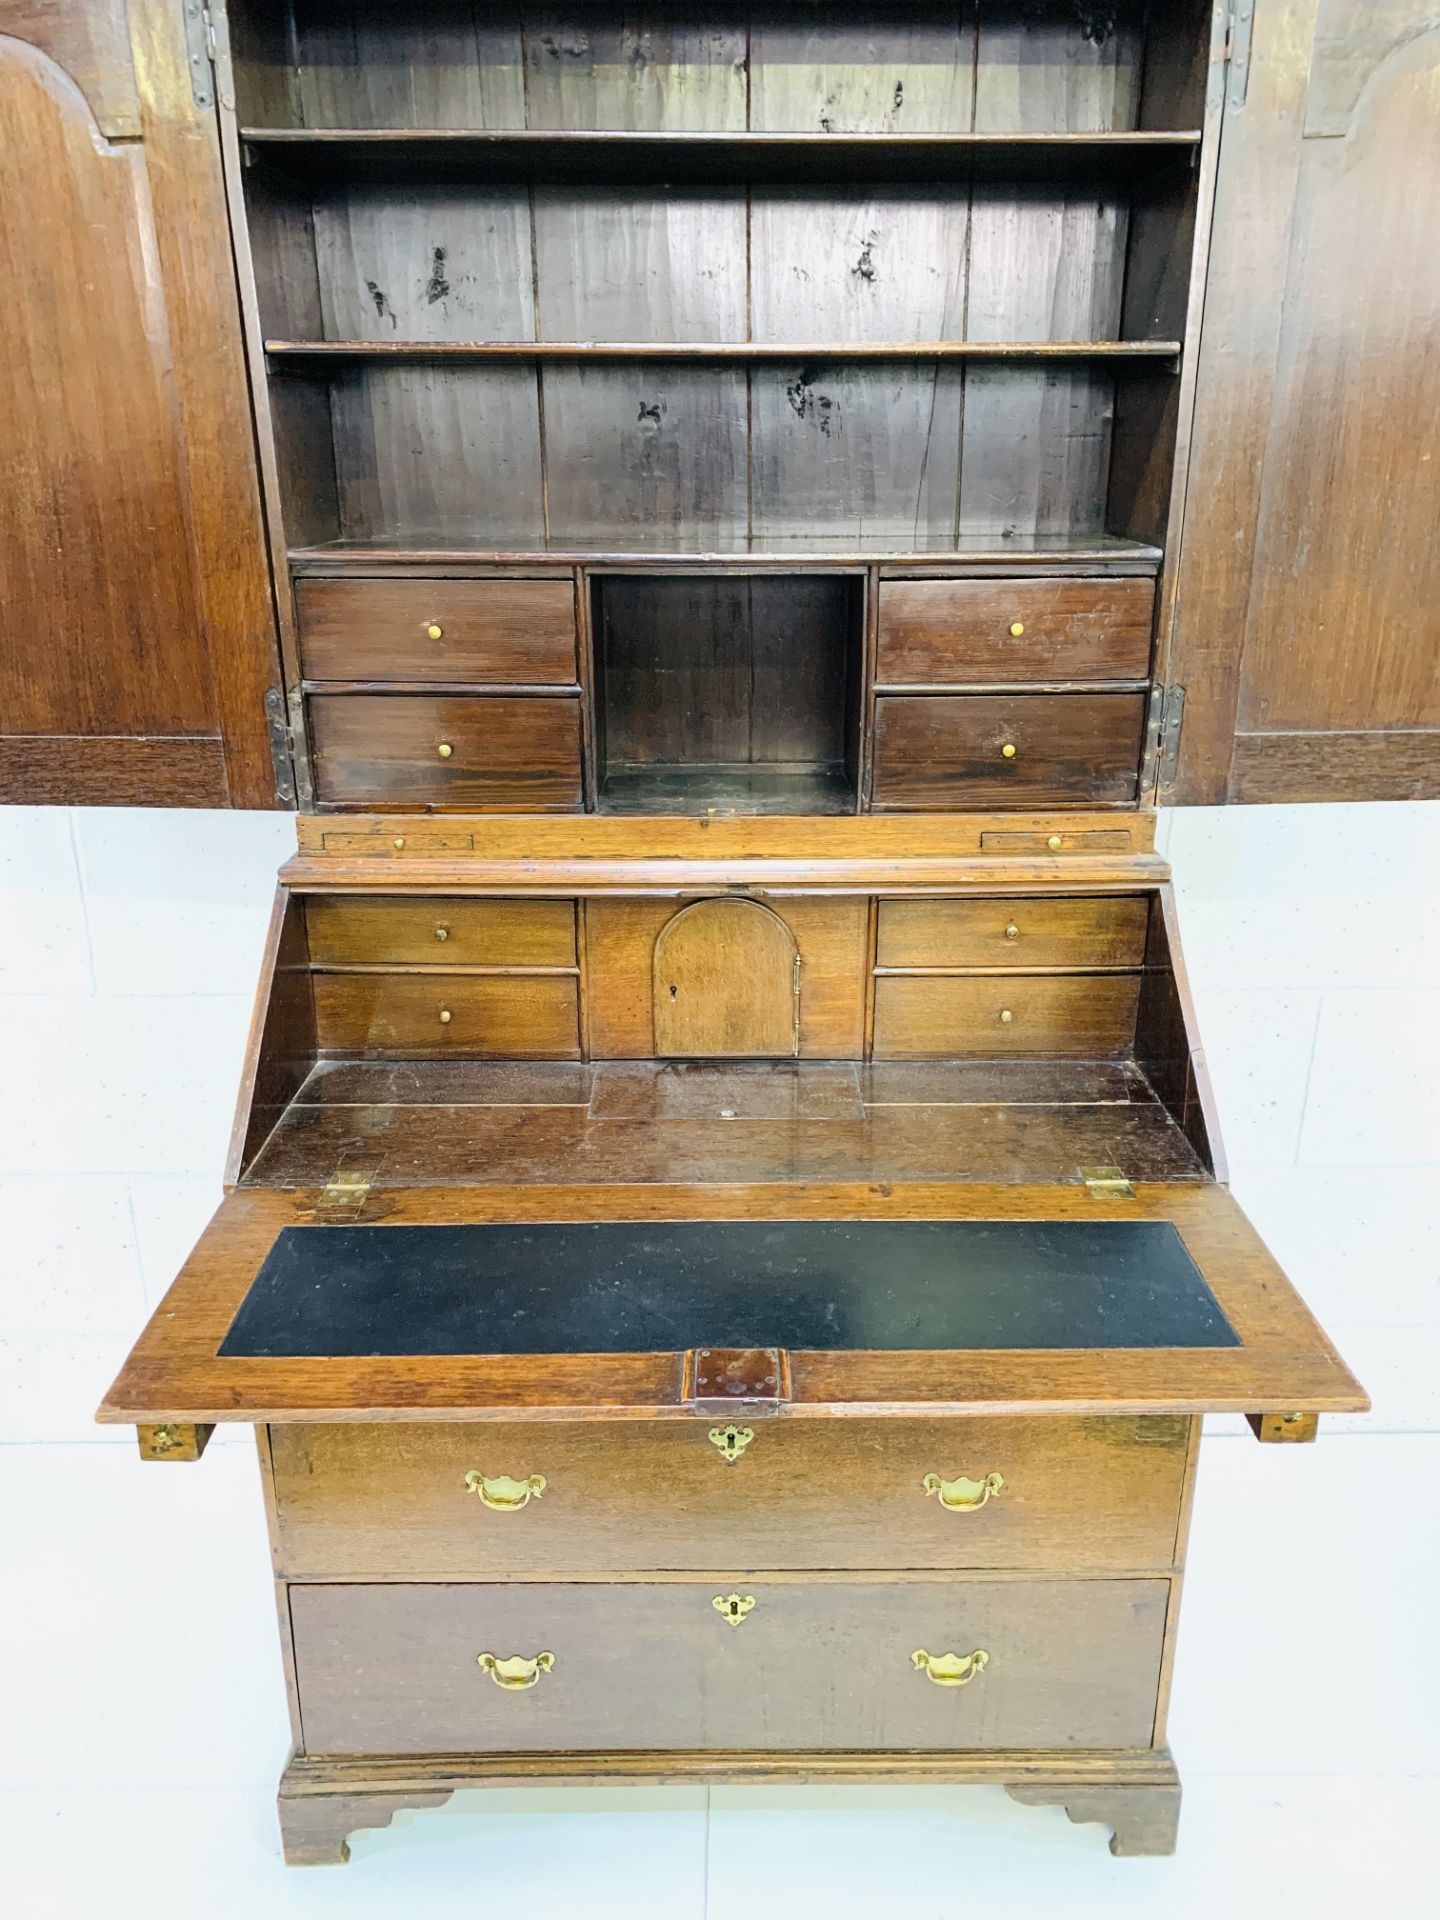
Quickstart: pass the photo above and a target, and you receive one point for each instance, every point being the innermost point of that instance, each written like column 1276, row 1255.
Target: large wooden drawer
column 516, row 631
column 1087, row 1017
column 934, row 632
column 1070, row 933
column 508, row 753
column 388, row 1500
column 518, row 1017
column 948, row 750
column 458, row 933
column 396, row 1669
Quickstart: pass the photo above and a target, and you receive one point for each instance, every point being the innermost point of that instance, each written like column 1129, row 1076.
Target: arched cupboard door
column 727, row 983
column 137, row 645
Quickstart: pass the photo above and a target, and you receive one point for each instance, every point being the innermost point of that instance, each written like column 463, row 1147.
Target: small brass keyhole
column 733, row 1607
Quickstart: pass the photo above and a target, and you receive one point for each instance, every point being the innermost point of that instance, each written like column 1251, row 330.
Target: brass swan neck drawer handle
column 515, row 1672
column 962, row 1495
column 503, row 1494
column 950, row 1669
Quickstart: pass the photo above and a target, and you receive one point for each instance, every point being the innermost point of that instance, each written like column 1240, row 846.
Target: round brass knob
column 1017, row 627
column 444, row 750
column 434, row 631
column 1008, row 750
column 1006, row 1016
column 1054, row 843
column 1012, row 932
column 442, row 933
column 398, row 842
column 445, row 1016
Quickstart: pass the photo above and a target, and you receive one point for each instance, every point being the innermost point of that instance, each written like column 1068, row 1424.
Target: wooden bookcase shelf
column 747, row 350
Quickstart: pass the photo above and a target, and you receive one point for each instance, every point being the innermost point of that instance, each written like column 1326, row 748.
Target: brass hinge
column 1107, row 1183
column 207, row 44
column 1161, row 754
column 348, row 1188
column 795, row 1017
column 277, row 724
column 1239, row 32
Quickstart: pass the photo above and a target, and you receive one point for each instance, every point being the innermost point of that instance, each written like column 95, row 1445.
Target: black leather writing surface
column 618, row 1287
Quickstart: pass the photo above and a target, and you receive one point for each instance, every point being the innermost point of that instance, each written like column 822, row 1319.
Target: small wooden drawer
column 937, row 632
column 410, row 1499
column 920, row 1016
column 516, row 631
column 519, row 1017
column 1012, row 933
column 513, row 754
column 783, row 1664
column 454, row 933
column 950, row 750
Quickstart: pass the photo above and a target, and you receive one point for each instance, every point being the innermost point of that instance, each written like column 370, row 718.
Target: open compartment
column 727, row 691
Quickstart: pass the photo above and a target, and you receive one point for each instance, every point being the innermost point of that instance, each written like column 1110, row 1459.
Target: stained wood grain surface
column 1284, row 1359
column 456, row 933
column 726, row 982
column 958, row 630
column 392, row 1669
column 391, row 1503
column 511, row 752
column 510, row 631
column 1014, row 933
column 1086, row 1016
column 939, row 750
column 519, row 1016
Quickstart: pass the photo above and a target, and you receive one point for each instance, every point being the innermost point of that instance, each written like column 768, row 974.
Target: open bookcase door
column 1305, row 640
column 139, row 648
column 574, row 1302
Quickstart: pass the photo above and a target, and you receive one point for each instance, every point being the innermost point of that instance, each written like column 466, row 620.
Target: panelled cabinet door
column 137, row 634
column 1307, row 626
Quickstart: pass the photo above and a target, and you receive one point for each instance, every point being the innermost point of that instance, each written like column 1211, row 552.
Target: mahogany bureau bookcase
column 724, row 522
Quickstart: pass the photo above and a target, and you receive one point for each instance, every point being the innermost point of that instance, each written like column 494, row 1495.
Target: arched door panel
column 727, row 983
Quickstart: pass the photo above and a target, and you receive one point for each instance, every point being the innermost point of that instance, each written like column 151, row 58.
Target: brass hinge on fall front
column 1107, row 1183
column 348, row 1188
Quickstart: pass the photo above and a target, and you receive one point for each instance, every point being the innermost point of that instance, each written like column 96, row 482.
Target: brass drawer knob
column 445, row 1016
column 962, row 1495
column 1007, row 752
column 515, row 1671
column 444, row 750
column 950, row 1669
column 1006, row 1016
column 1017, row 627
column 501, row 1493
column 434, row 630
column 1012, row 932
column 733, row 1607
column 398, row 843
column 442, row 933
column 732, row 1441
column 1054, row 843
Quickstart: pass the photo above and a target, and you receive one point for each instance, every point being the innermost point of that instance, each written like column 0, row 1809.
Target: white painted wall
column 130, row 941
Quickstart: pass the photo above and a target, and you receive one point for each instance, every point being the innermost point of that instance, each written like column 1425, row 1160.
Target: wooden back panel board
column 139, row 632
column 1306, row 635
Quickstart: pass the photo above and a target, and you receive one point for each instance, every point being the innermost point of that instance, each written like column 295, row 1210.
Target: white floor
column 141, row 1716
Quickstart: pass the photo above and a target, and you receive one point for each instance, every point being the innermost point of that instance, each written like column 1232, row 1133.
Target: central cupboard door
column 730, row 1663
column 727, row 983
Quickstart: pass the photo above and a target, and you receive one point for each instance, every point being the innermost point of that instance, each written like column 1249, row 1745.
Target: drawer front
column 396, row 1669
column 535, row 1018
column 508, row 753
column 934, row 632
column 949, row 751
column 1011, row 933
column 457, row 933
column 516, row 631
column 388, row 1500
column 920, row 1016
